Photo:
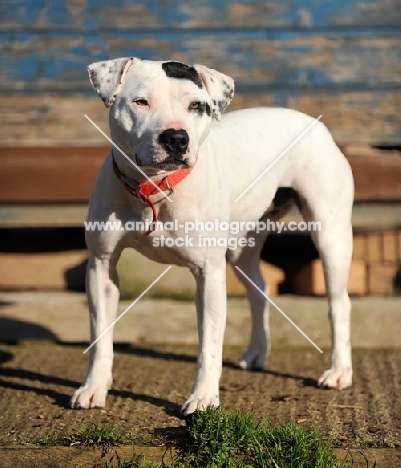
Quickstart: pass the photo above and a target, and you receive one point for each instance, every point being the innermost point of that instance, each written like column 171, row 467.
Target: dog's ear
column 219, row 86
column 106, row 77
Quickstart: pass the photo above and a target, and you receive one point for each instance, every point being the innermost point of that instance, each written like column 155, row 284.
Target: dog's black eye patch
column 203, row 108
column 182, row 72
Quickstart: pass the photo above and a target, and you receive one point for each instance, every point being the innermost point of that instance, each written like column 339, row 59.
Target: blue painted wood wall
column 341, row 58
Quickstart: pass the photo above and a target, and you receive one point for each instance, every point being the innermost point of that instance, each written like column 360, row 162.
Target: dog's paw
column 199, row 402
column 90, row 396
column 336, row 378
column 253, row 359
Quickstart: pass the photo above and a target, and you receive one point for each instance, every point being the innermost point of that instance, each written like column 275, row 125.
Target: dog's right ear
column 106, row 77
column 219, row 86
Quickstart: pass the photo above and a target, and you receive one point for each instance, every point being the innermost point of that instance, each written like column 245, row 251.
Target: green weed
column 218, row 439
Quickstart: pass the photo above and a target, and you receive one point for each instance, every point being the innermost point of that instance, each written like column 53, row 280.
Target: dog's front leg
column 103, row 294
column 211, row 305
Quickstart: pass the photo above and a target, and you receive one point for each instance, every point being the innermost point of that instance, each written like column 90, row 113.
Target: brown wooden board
column 49, row 174
column 377, row 173
column 66, row 174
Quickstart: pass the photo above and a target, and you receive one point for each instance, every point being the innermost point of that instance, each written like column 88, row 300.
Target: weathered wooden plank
column 305, row 59
column 84, row 15
column 360, row 117
column 370, row 117
column 51, row 121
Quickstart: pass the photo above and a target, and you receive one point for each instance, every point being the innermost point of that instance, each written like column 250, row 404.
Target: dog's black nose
column 175, row 142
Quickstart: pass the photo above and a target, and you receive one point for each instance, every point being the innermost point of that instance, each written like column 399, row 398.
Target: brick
column 399, row 245
column 381, row 278
column 272, row 275
column 309, row 280
column 374, row 248
column 359, row 252
column 390, row 246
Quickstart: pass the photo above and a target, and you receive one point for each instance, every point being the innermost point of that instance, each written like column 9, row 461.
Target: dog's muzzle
column 174, row 142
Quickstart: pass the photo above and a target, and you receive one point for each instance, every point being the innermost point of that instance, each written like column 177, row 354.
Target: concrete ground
column 63, row 316
column 41, row 363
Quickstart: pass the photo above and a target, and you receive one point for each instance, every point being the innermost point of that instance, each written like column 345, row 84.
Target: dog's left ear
column 220, row 88
column 106, row 77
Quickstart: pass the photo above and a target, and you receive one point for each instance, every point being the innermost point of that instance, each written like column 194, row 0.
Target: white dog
column 161, row 116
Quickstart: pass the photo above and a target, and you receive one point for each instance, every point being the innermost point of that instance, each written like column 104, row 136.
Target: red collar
column 144, row 190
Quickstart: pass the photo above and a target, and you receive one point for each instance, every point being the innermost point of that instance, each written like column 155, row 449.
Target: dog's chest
column 161, row 246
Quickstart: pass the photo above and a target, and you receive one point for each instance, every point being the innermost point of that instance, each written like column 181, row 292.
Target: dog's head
column 160, row 112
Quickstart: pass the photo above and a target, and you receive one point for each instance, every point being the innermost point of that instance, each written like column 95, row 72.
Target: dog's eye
column 194, row 105
column 141, row 102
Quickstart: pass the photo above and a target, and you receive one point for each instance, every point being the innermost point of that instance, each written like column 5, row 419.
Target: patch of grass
column 137, row 461
column 49, row 439
column 97, row 434
column 217, row 438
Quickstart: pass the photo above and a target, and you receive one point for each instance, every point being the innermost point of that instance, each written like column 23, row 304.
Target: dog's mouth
column 169, row 164
column 172, row 163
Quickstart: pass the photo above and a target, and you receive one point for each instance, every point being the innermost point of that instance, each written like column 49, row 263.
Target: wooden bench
column 339, row 59
column 48, row 188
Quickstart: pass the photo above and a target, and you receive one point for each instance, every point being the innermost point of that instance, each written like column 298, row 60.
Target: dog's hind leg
column 103, row 295
column 334, row 242
column 247, row 261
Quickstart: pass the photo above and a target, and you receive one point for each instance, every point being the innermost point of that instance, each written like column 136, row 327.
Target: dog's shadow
column 170, row 408
column 49, row 383
column 180, row 357
column 63, row 399
column 306, row 381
